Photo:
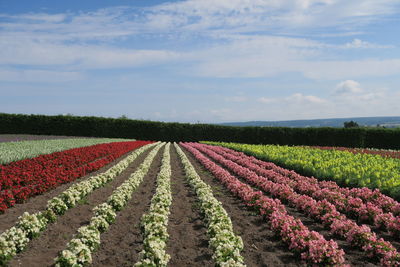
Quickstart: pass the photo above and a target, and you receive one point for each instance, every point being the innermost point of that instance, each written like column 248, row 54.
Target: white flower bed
column 79, row 250
column 155, row 222
column 223, row 241
column 15, row 239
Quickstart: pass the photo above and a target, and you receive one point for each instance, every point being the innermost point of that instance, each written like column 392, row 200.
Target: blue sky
column 201, row 60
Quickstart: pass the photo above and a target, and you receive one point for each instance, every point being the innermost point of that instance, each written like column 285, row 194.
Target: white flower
column 225, row 244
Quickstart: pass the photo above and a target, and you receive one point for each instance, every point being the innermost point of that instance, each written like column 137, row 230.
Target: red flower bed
column 25, row 178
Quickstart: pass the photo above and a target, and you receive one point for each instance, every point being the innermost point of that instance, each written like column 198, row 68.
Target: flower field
column 142, row 203
column 23, row 179
column 345, row 167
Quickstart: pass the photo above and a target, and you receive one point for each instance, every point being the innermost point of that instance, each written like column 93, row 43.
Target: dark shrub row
column 149, row 130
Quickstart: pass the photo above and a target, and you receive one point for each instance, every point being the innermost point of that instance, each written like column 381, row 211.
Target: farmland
column 149, row 203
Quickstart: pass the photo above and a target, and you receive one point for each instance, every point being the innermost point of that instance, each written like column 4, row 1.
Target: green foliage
column 350, row 124
column 175, row 132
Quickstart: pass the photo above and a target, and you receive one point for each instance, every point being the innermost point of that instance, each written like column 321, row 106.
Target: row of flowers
column 323, row 211
column 354, row 207
column 155, row 222
column 311, row 246
column 366, row 195
column 225, row 244
column 29, row 226
column 375, row 197
column 26, row 178
column 79, row 250
column 355, row 170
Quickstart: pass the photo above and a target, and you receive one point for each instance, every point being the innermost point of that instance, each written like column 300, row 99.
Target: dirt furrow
column 122, row 242
column 43, row 250
column 188, row 242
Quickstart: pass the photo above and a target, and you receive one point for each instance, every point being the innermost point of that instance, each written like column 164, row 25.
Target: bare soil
column 188, row 243
column 122, row 242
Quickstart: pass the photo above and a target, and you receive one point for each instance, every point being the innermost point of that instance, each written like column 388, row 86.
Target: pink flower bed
column 345, row 200
column 312, row 246
column 387, row 204
column 321, row 210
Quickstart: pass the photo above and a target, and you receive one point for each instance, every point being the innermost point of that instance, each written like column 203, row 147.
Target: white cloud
column 202, row 16
column 103, row 24
column 86, row 40
column 266, row 56
column 357, row 43
column 245, row 15
column 304, row 99
column 374, row 102
column 351, row 93
column 348, row 87
column 25, row 52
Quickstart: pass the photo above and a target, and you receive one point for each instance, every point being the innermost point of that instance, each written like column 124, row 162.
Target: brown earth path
column 122, row 242
column 188, row 242
column 43, row 250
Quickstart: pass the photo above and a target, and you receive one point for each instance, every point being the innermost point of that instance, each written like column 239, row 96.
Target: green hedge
column 149, row 130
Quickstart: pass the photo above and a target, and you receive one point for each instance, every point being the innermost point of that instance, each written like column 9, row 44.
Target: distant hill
column 388, row 122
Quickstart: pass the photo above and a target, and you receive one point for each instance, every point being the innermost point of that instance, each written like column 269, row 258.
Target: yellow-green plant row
column 360, row 170
column 13, row 151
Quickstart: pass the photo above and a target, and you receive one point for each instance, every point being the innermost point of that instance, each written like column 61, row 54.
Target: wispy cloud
column 305, row 99
column 244, row 15
column 78, row 56
column 357, row 43
column 87, row 40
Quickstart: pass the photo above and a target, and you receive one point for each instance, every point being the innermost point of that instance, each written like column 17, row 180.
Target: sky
column 205, row 61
